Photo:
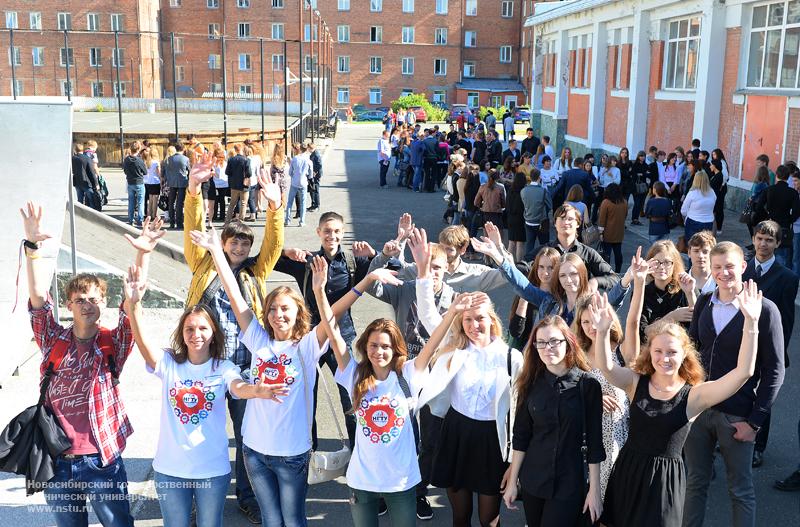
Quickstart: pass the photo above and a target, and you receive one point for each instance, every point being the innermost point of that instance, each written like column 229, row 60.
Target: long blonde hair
column 458, row 338
column 701, row 182
column 278, row 155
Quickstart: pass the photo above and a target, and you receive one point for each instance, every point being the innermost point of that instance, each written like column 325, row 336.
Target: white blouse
column 474, row 385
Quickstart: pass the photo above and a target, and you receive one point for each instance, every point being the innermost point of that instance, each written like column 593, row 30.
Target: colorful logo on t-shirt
column 278, row 370
column 191, row 401
column 381, row 419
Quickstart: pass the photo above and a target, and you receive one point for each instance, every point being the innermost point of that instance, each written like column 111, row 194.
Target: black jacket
column 83, row 175
column 316, row 163
column 719, row 354
column 237, row 170
column 134, row 169
column 511, row 153
column 779, row 284
column 780, row 203
column 530, row 144
column 494, row 152
column 641, row 173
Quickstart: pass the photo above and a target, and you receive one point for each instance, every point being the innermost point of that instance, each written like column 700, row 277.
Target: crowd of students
column 581, row 416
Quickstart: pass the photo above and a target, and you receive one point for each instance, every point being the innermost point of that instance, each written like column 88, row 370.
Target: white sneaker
column 302, row 224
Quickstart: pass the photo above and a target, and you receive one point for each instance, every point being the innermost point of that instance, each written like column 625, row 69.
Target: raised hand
column 750, row 301
column 272, row 392
column 134, row 285
column 319, row 277
column 391, row 249
column 488, row 247
column 203, row 168
column 269, row 191
column 466, row 301
column 385, row 276
column 298, row 255
column 640, row 268
column 208, row 240
column 493, row 233
column 601, row 313
column 404, row 227
column 151, row 232
column 420, row 248
column 363, row 249
column 31, row 222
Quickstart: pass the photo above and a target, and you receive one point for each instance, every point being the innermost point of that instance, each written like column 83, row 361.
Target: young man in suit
column 781, row 203
column 778, row 284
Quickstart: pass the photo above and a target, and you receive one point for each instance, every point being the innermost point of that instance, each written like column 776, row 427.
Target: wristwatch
column 33, row 246
column 755, row 428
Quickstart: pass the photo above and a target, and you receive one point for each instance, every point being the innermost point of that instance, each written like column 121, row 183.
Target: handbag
column 747, row 214
column 676, row 219
column 325, row 466
column 585, row 517
column 591, row 235
column 641, row 187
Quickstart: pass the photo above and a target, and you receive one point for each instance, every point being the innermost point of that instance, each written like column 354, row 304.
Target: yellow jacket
column 255, row 271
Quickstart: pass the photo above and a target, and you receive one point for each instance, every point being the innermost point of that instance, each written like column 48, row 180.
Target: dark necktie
column 758, row 271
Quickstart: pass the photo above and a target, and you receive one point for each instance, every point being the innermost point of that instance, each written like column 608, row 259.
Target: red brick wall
column 731, row 115
column 669, row 123
column 549, row 101
column 616, row 121
column 578, row 115
column 793, row 135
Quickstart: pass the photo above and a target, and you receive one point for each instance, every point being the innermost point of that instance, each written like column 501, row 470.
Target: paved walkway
column 350, row 186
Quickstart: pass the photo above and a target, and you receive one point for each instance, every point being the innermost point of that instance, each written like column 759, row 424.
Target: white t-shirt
column 192, row 440
column 280, row 429
column 385, row 458
column 152, row 177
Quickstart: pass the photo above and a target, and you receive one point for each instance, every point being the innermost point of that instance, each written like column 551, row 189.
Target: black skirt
column 468, row 455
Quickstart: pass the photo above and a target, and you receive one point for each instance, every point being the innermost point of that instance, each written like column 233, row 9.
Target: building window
column 375, row 95
column 683, row 41
column 469, row 68
column 473, row 99
column 407, row 65
column 406, row 91
column 214, row 61
column 212, row 4
column 175, row 3
column 376, row 34
column 774, row 39
column 308, row 63
column 66, row 87
column 580, row 53
column 408, row 6
column 277, row 31
column 471, row 8
column 244, row 62
column 11, row 20
column 35, row 20
column 97, row 89
column 470, row 39
column 92, row 22
column 440, row 96
column 245, row 89
column 15, row 56
column 507, row 9
column 180, row 73
column 375, row 65
column 441, row 7
column 505, row 54
column 344, row 5
column 64, row 22
column 343, row 33
column 215, row 87
column 116, row 22
column 243, row 3
column 277, row 4
column 213, row 31
column 376, row 6
column 94, row 58
column 243, row 30
column 307, row 93
column 117, row 57
column 38, row 56
column 496, row 101
column 549, row 66
column 343, row 95
column 178, row 45
column 440, row 67
column 343, row 62
column 440, row 36
column 277, row 62
column 66, row 53
column 408, row 35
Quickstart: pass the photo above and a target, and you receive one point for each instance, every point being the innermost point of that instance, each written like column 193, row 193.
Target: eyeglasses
column 665, row 264
column 91, row 300
column 552, row 343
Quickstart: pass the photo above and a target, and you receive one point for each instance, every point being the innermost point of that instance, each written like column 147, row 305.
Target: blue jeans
column 87, row 197
column 402, row 507
column 418, row 173
column 175, row 497
column 296, row 191
column 82, row 478
column 281, row 485
column 244, row 490
column 796, row 253
column 136, row 203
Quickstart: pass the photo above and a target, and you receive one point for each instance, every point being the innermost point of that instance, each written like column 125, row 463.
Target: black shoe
column 424, row 511
column 790, row 484
column 758, row 458
column 382, row 508
column 251, row 512
column 311, row 209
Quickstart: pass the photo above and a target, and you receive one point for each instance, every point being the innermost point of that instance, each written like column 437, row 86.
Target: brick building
column 614, row 73
column 41, row 57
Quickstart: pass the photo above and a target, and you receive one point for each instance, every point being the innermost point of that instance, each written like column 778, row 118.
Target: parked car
column 384, row 109
column 420, row 113
column 456, row 110
column 522, row 114
column 371, row 115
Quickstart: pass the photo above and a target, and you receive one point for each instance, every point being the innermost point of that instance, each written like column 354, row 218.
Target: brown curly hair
column 690, row 370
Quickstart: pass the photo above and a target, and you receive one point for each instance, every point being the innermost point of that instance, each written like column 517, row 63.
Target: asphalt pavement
column 350, row 187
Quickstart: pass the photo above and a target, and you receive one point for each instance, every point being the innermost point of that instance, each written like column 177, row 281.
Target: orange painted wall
column 616, row 121
column 578, row 115
column 669, row 123
column 549, row 101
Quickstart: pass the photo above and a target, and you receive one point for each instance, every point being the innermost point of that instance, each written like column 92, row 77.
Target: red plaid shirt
column 109, row 422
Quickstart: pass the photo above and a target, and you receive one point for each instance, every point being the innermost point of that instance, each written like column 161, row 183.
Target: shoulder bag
column 324, row 466
column 591, row 235
column 585, row 517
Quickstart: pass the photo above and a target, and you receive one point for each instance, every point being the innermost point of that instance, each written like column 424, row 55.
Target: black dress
column 658, row 303
column 648, row 482
column 515, row 221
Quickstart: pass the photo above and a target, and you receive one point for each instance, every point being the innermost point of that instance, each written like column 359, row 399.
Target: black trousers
column 431, row 169
column 763, row 436
column 313, row 190
column 430, row 428
column 540, row 512
column 175, row 200
column 719, row 207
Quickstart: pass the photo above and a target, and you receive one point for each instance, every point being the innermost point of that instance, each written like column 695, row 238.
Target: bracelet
column 32, row 256
column 33, row 246
column 357, row 292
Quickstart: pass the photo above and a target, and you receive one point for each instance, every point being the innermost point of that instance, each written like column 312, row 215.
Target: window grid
column 343, row 33
column 244, row 62
column 507, row 9
column 376, row 6
column 376, row 34
column 116, row 22
column 35, row 20
column 343, row 64
column 505, row 54
column 95, row 60
column 470, row 39
column 277, row 31
column 376, row 65
column 440, row 36
column 64, row 21
column 407, row 65
column 440, row 67
column 681, row 54
column 38, row 56
column 441, row 7
column 343, row 5
column 408, row 6
column 11, row 20
column 342, row 95
column 471, row 8
column 375, row 95
column 15, row 56
column 408, row 34
column 243, row 30
column 92, row 22
column 773, row 49
column 469, row 68
column 277, row 62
